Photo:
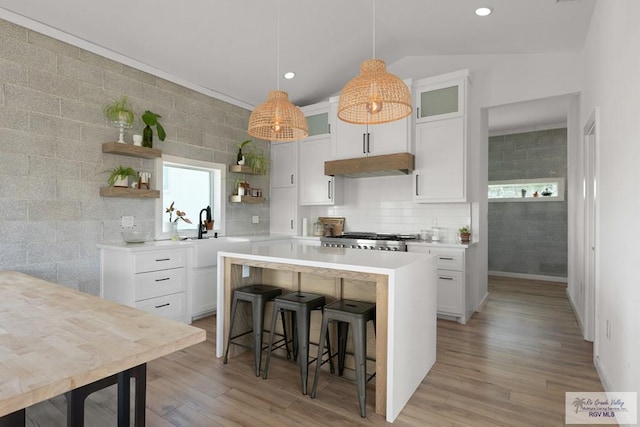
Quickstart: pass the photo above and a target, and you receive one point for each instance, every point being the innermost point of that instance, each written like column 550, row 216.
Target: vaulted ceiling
column 230, row 46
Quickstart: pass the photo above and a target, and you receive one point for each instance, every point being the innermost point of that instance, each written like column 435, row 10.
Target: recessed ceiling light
column 289, row 75
column 483, row 11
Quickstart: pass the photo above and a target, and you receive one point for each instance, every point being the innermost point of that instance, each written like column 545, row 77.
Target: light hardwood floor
column 510, row 365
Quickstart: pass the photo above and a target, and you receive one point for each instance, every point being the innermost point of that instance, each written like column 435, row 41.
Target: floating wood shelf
column 131, row 150
column 245, row 199
column 129, row 192
column 242, row 169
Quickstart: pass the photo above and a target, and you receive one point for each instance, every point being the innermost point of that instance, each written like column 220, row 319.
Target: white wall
column 612, row 61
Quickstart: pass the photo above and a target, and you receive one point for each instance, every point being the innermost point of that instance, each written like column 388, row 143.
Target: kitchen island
column 403, row 286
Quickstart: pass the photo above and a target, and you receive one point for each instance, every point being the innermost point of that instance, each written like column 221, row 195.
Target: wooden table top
column 54, row 339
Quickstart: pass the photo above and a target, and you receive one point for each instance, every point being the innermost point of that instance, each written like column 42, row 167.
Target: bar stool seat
column 356, row 314
column 257, row 295
column 300, row 305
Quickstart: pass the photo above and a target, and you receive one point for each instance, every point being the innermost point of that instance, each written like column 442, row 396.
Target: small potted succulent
column 465, row 234
column 120, row 176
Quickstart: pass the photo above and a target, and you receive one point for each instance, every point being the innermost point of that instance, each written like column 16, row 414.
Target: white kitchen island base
column 403, row 285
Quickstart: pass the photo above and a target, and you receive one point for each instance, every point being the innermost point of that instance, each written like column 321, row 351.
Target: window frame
column 529, row 198
column 219, row 202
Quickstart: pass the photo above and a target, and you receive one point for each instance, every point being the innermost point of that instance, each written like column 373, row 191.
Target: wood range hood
column 385, row 165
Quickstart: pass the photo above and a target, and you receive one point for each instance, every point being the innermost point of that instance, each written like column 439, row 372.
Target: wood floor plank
column 510, row 365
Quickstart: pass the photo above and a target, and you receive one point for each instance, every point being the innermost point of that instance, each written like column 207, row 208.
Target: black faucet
column 202, row 225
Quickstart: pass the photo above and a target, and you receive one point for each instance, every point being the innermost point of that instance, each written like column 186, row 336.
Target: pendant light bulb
column 374, row 106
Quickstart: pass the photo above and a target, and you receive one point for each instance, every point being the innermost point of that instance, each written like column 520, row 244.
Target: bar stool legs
column 348, row 313
column 300, row 304
column 258, row 296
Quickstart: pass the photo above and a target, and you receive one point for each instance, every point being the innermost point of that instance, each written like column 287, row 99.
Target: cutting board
column 337, row 222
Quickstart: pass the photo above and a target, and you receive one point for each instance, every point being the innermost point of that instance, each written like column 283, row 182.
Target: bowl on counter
column 134, row 236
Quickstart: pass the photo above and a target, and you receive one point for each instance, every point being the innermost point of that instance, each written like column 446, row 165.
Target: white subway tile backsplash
column 385, row 205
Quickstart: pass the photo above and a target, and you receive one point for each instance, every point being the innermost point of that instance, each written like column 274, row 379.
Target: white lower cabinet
column 203, row 273
column 153, row 280
column 204, row 293
column 452, row 292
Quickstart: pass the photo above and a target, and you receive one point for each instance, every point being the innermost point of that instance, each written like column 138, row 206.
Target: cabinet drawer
column 449, row 259
column 161, row 260
column 450, row 292
column 171, row 306
column 158, row 283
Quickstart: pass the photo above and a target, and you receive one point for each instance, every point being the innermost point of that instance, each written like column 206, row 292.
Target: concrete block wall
column 51, row 161
column 528, row 237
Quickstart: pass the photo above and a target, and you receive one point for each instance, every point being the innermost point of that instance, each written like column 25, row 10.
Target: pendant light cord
column 278, row 44
column 373, row 2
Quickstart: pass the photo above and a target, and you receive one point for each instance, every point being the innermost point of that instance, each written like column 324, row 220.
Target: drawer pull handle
column 445, row 278
column 163, row 259
column 162, row 280
column 163, row 305
column 446, row 258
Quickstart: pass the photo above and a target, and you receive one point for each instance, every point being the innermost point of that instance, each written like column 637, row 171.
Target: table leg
column 76, row 398
column 124, row 394
column 140, row 374
column 15, row 419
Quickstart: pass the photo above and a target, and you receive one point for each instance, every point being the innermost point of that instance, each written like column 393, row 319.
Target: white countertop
column 166, row 244
column 299, row 253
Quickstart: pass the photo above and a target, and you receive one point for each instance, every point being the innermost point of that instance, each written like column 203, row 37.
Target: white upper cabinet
column 441, row 97
column 373, row 140
column 319, row 119
column 354, row 141
column 440, row 174
column 284, row 156
column 316, row 188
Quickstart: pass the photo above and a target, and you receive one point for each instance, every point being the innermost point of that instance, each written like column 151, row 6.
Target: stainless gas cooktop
column 375, row 241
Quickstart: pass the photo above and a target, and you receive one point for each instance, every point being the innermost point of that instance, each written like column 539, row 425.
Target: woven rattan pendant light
column 277, row 119
column 374, row 96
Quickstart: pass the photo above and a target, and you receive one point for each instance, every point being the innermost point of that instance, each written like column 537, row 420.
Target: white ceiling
column 230, row 46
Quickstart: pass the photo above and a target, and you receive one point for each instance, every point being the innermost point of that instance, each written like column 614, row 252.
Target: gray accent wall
column 51, row 134
column 528, row 237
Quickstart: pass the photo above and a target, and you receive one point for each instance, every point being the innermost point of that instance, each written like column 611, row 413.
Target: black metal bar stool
column 258, row 296
column 299, row 304
column 356, row 314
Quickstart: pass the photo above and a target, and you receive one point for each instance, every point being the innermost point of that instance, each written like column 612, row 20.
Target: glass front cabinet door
column 441, row 97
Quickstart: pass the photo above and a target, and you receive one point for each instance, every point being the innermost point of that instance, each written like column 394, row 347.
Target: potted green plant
column 256, row 159
column 465, row 234
column 240, row 158
column 120, row 115
column 119, row 176
column 151, row 119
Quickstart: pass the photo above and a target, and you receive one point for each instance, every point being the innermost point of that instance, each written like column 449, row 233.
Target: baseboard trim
column 483, row 302
column 578, row 318
column 529, row 276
